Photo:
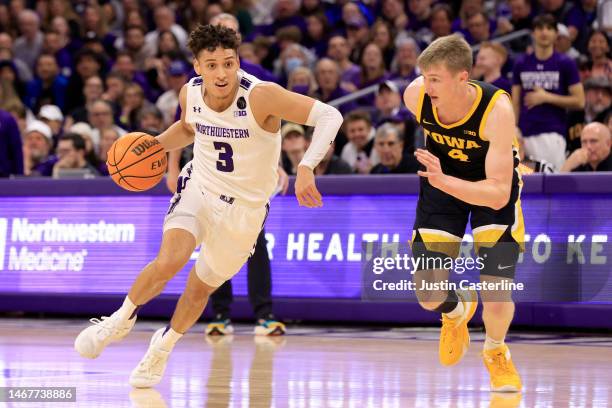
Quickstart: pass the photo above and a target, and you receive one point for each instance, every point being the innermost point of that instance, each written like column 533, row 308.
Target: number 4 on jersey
column 459, row 155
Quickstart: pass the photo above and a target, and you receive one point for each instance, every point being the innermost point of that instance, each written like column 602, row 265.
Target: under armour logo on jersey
column 197, row 109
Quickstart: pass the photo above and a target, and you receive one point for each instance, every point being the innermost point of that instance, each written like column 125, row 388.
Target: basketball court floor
column 311, row 367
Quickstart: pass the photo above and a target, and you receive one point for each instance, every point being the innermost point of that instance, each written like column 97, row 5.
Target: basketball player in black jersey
column 469, row 170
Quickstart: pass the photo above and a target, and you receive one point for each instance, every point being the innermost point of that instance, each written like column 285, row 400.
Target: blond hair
column 452, row 51
column 498, row 48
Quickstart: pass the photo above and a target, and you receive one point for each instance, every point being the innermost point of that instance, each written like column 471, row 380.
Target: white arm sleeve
column 326, row 121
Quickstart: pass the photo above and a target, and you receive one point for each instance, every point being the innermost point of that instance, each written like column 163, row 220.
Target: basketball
column 136, row 161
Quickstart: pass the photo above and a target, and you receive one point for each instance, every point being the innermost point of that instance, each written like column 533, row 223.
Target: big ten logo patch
column 241, row 105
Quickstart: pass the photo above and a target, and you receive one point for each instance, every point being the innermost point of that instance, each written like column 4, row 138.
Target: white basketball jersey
column 232, row 154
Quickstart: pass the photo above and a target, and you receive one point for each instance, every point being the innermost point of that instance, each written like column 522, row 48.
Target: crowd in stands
column 77, row 75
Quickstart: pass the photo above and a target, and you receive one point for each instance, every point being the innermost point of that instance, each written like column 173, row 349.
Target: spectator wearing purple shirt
column 52, row 44
column 419, row 14
column 134, row 43
column 37, row 147
column 255, row 69
column 394, row 12
column 339, row 50
column 11, row 153
column 381, row 35
column 327, row 75
column 546, row 84
column 357, row 35
column 317, row 33
column 125, row 65
column 479, row 28
column 489, row 62
column 94, row 25
column 389, row 109
column 404, row 66
column 250, row 63
column 441, row 21
column 372, row 72
column 286, row 14
column 468, row 8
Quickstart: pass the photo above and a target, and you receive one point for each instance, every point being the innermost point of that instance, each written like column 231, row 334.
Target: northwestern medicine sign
column 79, row 245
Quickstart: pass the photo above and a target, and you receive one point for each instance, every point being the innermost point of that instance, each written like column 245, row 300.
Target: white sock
column 491, row 344
column 457, row 311
column 169, row 339
column 127, row 309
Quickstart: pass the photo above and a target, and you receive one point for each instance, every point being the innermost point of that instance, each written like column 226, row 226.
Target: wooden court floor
column 311, row 367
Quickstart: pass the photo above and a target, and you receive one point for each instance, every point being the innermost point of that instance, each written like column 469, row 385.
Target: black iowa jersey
column 461, row 146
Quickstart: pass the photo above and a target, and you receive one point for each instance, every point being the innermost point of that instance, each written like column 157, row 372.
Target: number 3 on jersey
column 225, row 162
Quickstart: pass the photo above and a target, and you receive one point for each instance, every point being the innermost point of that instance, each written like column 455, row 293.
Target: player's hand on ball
column 305, row 188
column 433, row 170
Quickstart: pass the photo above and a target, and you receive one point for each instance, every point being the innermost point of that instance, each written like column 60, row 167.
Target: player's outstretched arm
column 494, row 191
column 271, row 103
column 179, row 134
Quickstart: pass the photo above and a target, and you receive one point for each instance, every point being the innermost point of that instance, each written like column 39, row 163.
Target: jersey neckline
column 467, row 116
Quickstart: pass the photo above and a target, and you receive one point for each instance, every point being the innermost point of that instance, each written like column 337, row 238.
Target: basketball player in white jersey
column 234, row 120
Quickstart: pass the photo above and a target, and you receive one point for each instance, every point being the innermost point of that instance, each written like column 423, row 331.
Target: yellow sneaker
column 504, row 377
column 454, row 336
column 505, row 400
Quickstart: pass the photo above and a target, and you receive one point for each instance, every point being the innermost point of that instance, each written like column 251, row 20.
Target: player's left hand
column 433, row 172
column 283, row 181
column 305, row 188
column 537, row 97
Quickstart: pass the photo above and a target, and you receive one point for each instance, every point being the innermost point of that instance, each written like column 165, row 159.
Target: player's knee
column 427, row 299
column 497, row 308
column 198, row 294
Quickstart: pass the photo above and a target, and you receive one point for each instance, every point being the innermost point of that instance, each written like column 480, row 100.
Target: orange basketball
column 136, row 161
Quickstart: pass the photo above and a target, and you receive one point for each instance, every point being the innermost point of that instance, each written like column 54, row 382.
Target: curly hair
column 209, row 37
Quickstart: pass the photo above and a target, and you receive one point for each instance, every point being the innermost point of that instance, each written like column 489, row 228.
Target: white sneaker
column 151, row 368
column 91, row 341
column 147, row 398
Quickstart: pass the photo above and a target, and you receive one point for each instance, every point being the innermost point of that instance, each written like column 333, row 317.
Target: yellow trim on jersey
column 440, row 241
column 483, row 121
column 487, row 235
column 420, row 103
column 518, row 228
column 468, row 115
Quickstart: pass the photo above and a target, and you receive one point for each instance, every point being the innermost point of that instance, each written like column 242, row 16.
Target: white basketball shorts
column 226, row 228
